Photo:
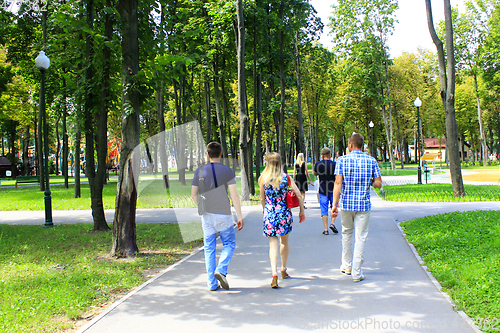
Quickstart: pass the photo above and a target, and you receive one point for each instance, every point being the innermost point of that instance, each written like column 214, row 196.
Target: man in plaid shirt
column 354, row 174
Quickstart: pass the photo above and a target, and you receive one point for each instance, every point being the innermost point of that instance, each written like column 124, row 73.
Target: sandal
column 325, row 232
column 334, row 229
column 274, row 282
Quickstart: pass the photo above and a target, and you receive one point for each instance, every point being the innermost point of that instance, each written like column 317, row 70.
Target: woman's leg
column 284, row 250
column 273, row 254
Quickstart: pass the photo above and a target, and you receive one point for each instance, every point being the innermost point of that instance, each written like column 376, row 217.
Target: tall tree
column 361, row 29
column 96, row 120
column 124, row 225
column 242, row 101
column 447, row 81
column 472, row 30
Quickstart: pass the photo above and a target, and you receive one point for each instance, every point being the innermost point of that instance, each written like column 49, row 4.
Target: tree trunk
column 447, row 81
column 124, row 225
column 242, row 102
column 281, row 137
column 162, row 147
column 96, row 179
column 180, row 156
column 258, row 144
column 65, row 139
column 232, row 148
column 484, row 148
column 76, row 162
column 302, row 146
column 26, row 143
column 102, row 128
column 208, row 112
column 221, row 121
column 160, row 109
column 58, row 146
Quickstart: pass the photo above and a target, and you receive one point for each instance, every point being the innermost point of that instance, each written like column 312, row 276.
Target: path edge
column 113, row 306
column 438, row 286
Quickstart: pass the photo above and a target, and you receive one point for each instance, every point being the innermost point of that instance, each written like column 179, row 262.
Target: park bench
column 27, row 179
column 385, row 165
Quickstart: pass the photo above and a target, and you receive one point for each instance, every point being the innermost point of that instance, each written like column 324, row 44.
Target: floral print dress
column 277, row 216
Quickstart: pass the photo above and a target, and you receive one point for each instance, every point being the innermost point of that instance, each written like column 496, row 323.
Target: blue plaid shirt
column 358, row 170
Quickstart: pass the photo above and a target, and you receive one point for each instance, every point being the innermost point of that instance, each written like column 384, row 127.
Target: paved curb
column 438, row 286
column 135, row 291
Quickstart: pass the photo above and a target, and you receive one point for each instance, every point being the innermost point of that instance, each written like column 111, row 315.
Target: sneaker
column 334, row 229
column 346, row 271
column 361, row 278
column 274, row 282
column 214, row 289
column 284, row 274
column 222, row 279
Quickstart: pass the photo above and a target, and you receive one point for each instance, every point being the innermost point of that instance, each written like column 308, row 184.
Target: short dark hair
column 326, row 151
column 214, row 149
column 357, row 140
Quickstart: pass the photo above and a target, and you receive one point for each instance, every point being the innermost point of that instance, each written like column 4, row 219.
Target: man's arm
column 377, row 182
column 235, row 197
column 336, row 194
column 194, row 194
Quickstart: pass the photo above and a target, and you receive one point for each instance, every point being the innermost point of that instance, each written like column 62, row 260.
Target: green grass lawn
column 462, row 250
column 150, row 189
column 398, row 172
column 53, row 180
column 438, row 193
column 51, row 277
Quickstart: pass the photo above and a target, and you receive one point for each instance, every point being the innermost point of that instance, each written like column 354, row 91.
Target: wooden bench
column 27, row 179
column 385, row 165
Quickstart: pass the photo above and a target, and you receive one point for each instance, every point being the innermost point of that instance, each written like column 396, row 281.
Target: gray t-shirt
column 217, row 178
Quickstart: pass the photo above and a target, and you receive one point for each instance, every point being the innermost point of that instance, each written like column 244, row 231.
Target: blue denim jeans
column 228, row 238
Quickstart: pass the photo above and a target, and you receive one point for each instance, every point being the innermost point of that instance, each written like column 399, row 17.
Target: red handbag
column 291, row 199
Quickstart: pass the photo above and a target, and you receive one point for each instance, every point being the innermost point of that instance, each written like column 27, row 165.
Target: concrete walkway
column 398, row 295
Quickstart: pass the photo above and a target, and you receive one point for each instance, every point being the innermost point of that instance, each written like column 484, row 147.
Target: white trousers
column 357, row 221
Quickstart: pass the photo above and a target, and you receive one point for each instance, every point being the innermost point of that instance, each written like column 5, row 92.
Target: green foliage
column 462, row 252
column 50, row 277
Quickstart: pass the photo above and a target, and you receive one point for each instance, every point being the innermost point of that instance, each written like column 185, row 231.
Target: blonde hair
column 273, row 171
column 300, row 159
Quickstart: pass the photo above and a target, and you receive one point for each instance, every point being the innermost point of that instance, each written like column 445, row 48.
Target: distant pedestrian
column 300, row 175
column 277, row 223
column 217, row 179
column 325, row 171
column 355, row 173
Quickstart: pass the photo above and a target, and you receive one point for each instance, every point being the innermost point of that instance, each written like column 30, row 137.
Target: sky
column 410, row 33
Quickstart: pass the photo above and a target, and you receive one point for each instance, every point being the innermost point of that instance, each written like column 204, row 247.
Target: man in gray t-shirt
column 217, row 218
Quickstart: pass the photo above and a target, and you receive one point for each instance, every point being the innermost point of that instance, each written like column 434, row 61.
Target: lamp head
column 418, row 102
column 42, row 62
column 371, row 124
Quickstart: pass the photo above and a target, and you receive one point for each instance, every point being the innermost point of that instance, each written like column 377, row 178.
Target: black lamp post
column 418, row 104
column 371, row 124
column 42, row 62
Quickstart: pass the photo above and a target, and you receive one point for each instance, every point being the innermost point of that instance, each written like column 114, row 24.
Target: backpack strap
column 213, row 172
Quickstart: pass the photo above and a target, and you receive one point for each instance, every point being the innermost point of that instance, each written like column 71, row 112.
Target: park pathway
column 398, row 295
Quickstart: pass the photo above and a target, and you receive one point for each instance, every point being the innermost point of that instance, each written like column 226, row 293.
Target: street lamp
column 42, row 62
column 371, row 124
column 418, row 104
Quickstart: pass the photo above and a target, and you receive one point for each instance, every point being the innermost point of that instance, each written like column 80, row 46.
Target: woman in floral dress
column 278, row 219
